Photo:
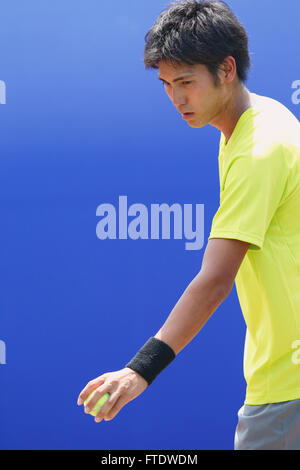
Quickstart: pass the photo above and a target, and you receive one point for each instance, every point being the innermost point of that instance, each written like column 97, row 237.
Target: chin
column 196, row 125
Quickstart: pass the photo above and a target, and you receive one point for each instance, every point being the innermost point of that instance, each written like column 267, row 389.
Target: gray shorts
column 275, row 426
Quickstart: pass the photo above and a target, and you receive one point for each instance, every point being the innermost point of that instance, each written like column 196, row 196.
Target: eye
column 186, row 83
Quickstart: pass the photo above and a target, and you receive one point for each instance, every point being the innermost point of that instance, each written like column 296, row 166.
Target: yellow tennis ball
column 99, row 403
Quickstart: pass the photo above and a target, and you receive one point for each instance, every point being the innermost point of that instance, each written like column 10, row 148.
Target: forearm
column 196, row 305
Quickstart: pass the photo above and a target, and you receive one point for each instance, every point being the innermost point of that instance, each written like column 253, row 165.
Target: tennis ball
column 99, row 403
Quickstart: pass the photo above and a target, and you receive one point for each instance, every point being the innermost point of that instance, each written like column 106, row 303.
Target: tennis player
column 200, row 50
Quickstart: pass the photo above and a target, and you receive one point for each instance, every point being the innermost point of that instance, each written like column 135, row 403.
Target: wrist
column 135, row 375
column 152, row 359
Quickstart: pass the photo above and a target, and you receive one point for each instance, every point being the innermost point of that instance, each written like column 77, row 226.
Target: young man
column 201, row 52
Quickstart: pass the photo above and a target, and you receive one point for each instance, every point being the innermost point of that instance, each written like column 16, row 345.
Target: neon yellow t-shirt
column 259, row 171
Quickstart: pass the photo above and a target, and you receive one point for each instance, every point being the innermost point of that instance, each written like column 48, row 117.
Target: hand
column 123, row 385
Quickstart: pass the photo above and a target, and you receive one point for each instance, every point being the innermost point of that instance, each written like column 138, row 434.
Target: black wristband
column 151, row 359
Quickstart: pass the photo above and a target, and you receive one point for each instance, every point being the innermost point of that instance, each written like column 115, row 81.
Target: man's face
column 192, row 89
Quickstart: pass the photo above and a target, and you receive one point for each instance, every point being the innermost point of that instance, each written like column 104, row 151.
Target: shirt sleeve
column 252, row 191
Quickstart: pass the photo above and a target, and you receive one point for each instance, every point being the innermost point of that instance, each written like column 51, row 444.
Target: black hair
column 198, row 32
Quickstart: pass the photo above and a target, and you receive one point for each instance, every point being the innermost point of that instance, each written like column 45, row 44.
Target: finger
column 96, row 395
column 88, row 389
column 122, row 401
column 107, row 406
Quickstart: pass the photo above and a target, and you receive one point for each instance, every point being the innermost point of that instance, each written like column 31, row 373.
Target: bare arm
column 205, row 293
column 221, row 261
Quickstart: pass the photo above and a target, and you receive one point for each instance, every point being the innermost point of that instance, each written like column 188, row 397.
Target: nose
column 177, row 98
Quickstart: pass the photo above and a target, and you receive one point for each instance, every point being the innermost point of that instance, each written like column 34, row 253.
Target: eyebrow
column 177, row 79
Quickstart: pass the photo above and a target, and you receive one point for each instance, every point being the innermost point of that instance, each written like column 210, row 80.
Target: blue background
column 83, row 124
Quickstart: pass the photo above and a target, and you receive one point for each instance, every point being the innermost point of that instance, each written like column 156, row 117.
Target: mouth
column 187, row 115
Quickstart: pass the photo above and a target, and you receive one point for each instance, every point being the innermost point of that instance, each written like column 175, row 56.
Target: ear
column 228, row 69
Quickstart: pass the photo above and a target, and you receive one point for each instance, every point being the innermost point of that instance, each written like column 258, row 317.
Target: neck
column 238, row 102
